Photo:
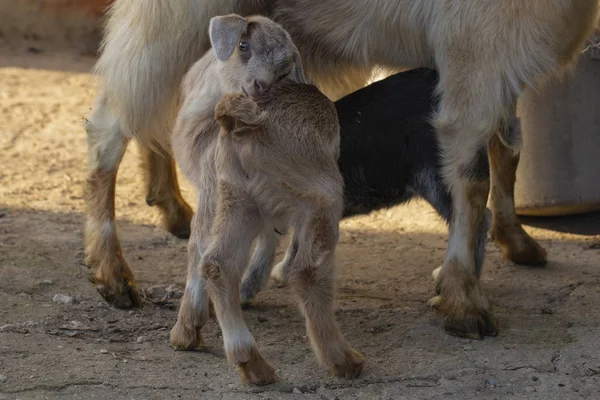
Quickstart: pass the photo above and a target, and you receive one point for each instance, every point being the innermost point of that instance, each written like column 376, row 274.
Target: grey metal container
column 559, row 171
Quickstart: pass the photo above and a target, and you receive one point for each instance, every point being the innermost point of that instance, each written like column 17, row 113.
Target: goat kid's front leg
column 112, row 277
column 236, row 225
column 466, row 309
column 194, row 308
column 162, row 190
column 507, row 231
column 311, row 276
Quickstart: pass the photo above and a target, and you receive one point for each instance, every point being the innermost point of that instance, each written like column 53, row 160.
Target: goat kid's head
column 253, row 53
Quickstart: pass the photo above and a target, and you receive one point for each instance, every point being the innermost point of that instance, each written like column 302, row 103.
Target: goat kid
column 271, row 167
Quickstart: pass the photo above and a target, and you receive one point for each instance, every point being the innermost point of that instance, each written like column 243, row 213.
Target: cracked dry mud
column 82, row 349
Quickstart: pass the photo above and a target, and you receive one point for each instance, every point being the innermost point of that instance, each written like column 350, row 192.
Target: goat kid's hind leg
column 236, row 225
column 507, row 231
column 162, row 190
column 106, row 146
column 467, row 311
column 311, row 276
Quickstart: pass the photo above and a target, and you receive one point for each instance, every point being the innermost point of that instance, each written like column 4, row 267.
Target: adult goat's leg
column 464, row 127
column 162, row 190
column 106, row 146
column 311, row 276
column 507, row 231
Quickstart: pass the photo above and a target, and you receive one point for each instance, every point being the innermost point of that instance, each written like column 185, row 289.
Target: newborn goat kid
column 271, row 168
column 277, row 167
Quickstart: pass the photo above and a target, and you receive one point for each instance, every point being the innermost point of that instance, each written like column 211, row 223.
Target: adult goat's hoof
column 123, row 294
column 519, row 247
column 471, row 326
column 177, row 218
column 466, row 309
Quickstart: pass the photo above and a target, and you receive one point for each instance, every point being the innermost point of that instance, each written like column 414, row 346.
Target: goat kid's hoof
column 351, row 368
column 520, row 248
column 246, row 304
column 124, row 296
column 256, row 370
column 278, row 275
column 184, row 338
column 247, row 295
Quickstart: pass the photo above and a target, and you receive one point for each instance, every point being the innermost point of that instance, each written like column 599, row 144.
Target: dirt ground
column 77, row 347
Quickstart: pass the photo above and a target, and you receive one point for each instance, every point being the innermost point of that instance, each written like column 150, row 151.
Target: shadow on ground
column 75, row 350
column 583, row 224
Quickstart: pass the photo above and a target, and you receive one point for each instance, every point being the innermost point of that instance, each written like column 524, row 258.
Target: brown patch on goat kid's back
column 112, row 276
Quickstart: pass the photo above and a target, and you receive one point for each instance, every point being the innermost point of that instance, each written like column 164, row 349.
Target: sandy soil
column 547, row 348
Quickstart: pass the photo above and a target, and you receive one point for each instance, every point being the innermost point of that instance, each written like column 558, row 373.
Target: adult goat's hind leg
column 465, row 124
column 106, row 146
column 162, row 190
column 507, row 231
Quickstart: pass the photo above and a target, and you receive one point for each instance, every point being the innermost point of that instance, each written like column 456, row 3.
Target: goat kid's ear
column 225, row 32
column 297, row 74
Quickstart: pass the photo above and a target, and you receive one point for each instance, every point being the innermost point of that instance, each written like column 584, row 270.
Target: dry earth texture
column 59, row 340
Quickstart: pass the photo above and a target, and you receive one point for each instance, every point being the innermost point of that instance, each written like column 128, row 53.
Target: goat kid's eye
column 243, row 46
column 286, row 75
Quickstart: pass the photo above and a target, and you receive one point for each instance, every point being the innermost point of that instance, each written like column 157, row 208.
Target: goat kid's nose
column 260, row 86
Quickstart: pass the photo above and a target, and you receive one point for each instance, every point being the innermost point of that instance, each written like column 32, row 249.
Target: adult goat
column 486, row 52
